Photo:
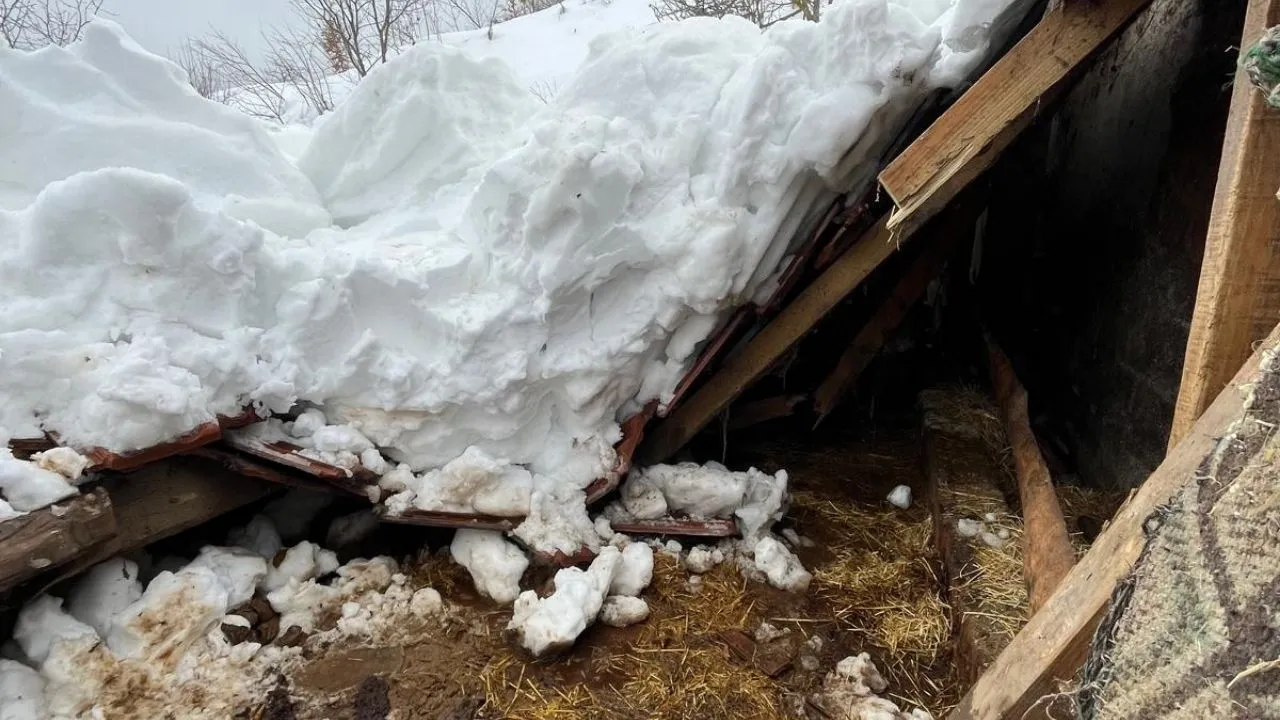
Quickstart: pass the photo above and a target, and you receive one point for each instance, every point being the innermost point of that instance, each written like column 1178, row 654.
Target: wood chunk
column 102, row 459
column 236, row 634
column 1047, row 551
column 293, row 637
column 288, row 454
column 971, row 134
column 1053, row 645
column 242, row 464
column 772, row 661
column 267, row 630
column 1238, row 300
column 436, row 518
column 55, row 535
column 770, row 344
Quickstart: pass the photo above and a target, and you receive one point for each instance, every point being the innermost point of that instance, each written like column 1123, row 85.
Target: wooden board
column 1054, row 642
column 770, row 344
column 715, row 527
column 52, row 536
column 971, row 134
column 1238, row 300
column 165, row 498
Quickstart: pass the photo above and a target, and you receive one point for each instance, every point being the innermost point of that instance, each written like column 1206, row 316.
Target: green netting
column 1262, row 62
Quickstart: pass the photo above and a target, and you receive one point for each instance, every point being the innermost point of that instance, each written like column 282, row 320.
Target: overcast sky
column 162, row 25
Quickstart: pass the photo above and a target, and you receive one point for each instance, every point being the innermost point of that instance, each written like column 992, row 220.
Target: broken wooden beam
column 1053, row 645
column 47, row 538
column 102, row 459
column 247, row 466
column 1238, row 299
column 282, row 452
column 867, row 343
column 771, row 343
column 165, row 498
column 966, row 140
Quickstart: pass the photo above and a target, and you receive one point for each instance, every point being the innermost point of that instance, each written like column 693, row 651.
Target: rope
column 1262, row 63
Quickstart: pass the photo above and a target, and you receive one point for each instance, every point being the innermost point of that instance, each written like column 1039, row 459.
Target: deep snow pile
column 479, row 284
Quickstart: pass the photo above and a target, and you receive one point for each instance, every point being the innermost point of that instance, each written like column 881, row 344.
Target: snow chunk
column 635, row 572
column 301, row 562
column 623, row 611
column 259, row 535
column 551, row 624
column 475, row 482
column 43, row 624
column 755, row 499
column 104, row 592
column 27, row 486
column 495, row 565
column 900, row 497
column 968, row 528
column 781, row 567
column 175, row 610
column 63, row 460
column 238, row 570
column 426, row 602
column 701, row 559
column 21, row 692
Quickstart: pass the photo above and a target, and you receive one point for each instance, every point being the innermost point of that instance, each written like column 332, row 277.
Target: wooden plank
column 52, row 536
column 867, row 343
column 165, row 498
column 1238, row 300
column 1047, row 553
column 969, row 136
column 755, row 359
column 714, row 527
column 1053, row 645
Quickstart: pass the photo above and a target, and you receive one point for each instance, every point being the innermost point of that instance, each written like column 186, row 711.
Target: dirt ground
column 874, row 590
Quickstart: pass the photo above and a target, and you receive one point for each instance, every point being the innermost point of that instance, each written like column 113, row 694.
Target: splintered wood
column 972, row 133
column 52, row 536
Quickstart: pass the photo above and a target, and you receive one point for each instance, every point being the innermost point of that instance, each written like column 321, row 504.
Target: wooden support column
column 1238, row 300
column 1054, row 643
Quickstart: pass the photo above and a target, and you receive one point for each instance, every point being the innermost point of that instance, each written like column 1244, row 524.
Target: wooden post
column 1238, row 300
column 1047, row 551
column 969, row 136
column 1054, row 643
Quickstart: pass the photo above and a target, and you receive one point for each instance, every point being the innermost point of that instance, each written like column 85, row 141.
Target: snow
column 783, row 569
column 62, row 460
column 426, row 602
column 21, row 692
column 623, row 611
column 495, row 565
column 302, row 562
column 756, row 499
column 27, row 486
column 702, row 559
column 850, row 693
column 635, row 571
column 452, row 270
column 258, row 535
column 104, row 592
column 43, row 625
column 238, row 570
column 173, row 612
column 548, row 625
column 900, row 497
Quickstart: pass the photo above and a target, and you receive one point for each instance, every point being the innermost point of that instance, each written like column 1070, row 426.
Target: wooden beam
column 763, row 410
column 52, row 536
column 1053, row 645
column 1047, row 553
column 970, row 135
column 763, row 350
column 1238, row 300
column 165, row 498
column 867, row 343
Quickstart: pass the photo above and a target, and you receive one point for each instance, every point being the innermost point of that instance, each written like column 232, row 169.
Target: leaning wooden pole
column 1050, row 649
column 1047, row 551
column 1238, row 299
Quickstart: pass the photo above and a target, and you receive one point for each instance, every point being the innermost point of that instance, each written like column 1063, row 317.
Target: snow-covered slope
column 505, row 278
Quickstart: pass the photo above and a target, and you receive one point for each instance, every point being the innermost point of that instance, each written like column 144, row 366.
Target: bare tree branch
column 30, row 24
